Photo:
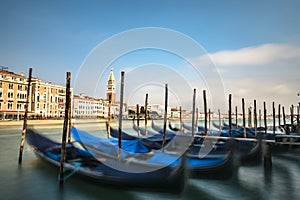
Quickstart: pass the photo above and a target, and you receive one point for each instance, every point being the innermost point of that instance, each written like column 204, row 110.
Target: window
column 20, row 87
column 10, row 95
column 9, row 106
column 0, row 84
column 11, row 86
column 37, row 106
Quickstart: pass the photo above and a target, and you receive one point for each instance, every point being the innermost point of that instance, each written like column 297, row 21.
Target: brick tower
column 111, row 87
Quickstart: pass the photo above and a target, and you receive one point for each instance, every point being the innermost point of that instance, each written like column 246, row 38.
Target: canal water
column 36, row 180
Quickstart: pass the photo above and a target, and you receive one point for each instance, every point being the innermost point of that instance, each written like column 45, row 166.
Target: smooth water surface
column 36, row 180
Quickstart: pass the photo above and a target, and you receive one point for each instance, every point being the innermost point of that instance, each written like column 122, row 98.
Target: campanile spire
column 111, row 87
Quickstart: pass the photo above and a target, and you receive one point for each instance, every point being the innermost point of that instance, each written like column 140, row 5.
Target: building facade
column 47, row 100
column 88, row 107
column 13, row 94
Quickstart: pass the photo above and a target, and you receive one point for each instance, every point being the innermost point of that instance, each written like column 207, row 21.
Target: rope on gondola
column 77, row 164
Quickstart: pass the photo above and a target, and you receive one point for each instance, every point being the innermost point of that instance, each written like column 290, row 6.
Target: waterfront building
column 13, row 94
column 47, row 100
column 89, row 107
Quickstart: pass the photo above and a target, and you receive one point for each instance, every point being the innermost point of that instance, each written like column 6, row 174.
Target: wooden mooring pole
column 146, row 114
column 25, row 118
column 267, row 146
column 250, row 117
column 209, row 119
column 65, row 128
column 236, row 117
column 121, row 114
column 259, row 117
column 205, row 111
column 70, row 119
column 265, row 118
column 138, row 118
column 165, row 117
column 274, row 117
column 180, row 118
column 229, row 115
column 284, row 120
column 196, row 125
column 292, row 117
column 255, row 117
column 279, row 115
column 244, row 120
column 193, row 113
column 109, row 116
column 220, row 126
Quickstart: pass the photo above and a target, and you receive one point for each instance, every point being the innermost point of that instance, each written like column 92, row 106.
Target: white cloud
column 257, row 55
column 268, row 72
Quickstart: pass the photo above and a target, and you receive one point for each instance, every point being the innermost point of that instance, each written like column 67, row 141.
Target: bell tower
column 111, row 87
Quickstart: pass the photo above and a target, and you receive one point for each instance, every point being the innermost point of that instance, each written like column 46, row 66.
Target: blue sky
column 254, row 44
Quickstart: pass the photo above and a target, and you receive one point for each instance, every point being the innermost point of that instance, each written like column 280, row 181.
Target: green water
column 35, row 180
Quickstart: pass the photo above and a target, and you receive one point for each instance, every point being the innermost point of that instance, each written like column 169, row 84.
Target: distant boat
column 148, row 171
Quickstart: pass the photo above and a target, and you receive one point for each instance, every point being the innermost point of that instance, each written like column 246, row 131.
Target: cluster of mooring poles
column 267, row 152
column 66, row 126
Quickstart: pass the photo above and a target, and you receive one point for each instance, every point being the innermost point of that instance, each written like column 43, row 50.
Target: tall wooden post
column 70, row 119
column 229, row 115
column 193, row 113
column 298, row 113
column 274, row 117
column 292, row 118
column 279, row 115
column 138, row 118
column 292, row 115
column 165, row 116
column 259, row 117
column 265, row 118
column 255, row 117
column 236, row 117
column 284, row 120
column 180, row 118
column 220, row 126
column 196, row 126
column 25, row 117
column 109, row 116
column 205, row 112
column 121, row 113
column 250, row 117
column 244, row 120
column 65, row 127
column 146, row 114
column 209, row 119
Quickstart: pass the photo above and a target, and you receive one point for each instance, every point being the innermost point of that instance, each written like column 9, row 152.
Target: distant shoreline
column 48, row 122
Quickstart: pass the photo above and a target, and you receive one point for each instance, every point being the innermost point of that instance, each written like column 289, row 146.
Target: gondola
column 153, row 141
column 159, row 171
column 246, row 152
column 208, row 163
